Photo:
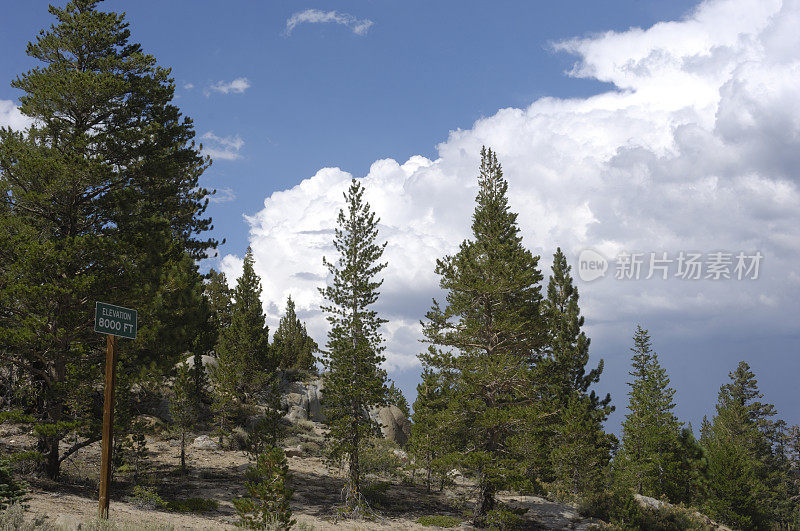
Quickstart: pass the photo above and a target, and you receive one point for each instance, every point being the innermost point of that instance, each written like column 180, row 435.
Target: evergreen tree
column 649, row 461
column 396, row 398
column 292, row 345
column 11, row 490
column 353, row 378
column 244, row 359
column 430, row 442
column 489, row 334
column 581, row 449
column 219, row 297
column 99, row 198
column 184, row 405
column 576, row 441
column 567, row 347
column 266, row 505
column 749, row 482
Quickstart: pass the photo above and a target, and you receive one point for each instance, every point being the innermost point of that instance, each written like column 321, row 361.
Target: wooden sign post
column 113, row 321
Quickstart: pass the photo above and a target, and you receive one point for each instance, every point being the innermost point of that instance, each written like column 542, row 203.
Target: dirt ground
column 219, row 475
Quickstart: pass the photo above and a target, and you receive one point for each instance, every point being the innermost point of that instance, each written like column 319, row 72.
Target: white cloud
column 237, row 86
column 316, row 16
column 188, row 86
column 222, row 148
column 11, row 117
column 699, row 149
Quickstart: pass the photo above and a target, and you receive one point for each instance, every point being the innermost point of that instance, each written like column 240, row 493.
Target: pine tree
column 648, row 462
column 219, row 297
column 266, row 505
column 581, row 449
column 575, row 442
column 749, row 483
column 184, row 405
column 245, row 362
column 11, row 490
column 396, row 398
column 430, row 442
column 353, row 378
column 292, row 345
column 489, row 334
column 99, row 198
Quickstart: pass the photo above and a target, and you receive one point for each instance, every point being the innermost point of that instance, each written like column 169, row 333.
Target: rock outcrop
column 302, row 400
column 395, row 426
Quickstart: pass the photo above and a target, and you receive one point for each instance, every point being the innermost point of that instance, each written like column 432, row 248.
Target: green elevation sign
column 115, row 320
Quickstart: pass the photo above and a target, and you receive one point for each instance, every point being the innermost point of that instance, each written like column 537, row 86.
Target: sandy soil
column 219, row 475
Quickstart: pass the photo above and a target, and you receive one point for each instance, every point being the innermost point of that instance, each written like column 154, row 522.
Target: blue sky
column 324, row 96
column 618, row 129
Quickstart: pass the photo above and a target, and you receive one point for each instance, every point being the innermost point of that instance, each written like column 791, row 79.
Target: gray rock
column 208, row 361
column 204, row 442
column 303, row 395
column 293, row 451
column 296, row 414
column 394, row 424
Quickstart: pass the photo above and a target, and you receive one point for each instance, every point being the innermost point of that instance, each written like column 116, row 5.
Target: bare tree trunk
column 183, row 450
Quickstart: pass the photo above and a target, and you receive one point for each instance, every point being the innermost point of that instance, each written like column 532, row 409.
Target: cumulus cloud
column 11, row 117
column 697, row 148
column 237, row 86
column 222, row 148
column 316, row 16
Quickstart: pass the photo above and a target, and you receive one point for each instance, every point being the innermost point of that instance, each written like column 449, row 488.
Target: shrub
column 267, row 500
column 439, row 520
column 616, row 506
column 13, row 518
column 375, row 493
column 620, row 509
column 11, row 491
column 192, row 505
column 25, row 461
column 121, row 525
column 311, row 448
column 504, row 518
column 239, row 439
column 146, row 498
column 378, row 458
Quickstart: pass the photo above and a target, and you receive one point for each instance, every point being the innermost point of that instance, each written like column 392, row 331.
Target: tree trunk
column 485, row 501
column 47, row 445
column 428, row 479
column 355, row 471
column 183, row 450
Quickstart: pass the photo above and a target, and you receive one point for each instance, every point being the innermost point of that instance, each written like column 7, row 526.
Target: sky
column 643, row 129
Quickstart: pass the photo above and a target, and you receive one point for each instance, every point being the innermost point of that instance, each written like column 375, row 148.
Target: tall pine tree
column 244, row 360
column 578, row 447
column 353, row 378
column 100, row 197
column 649, row 459
column 489, row 334
column 749, row 484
